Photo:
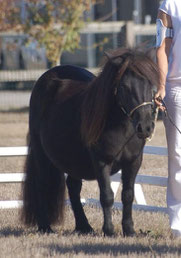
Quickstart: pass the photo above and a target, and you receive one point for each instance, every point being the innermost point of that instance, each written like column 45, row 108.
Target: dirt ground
column 153, row 235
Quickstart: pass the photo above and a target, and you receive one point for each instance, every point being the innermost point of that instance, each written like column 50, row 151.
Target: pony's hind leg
column 74, row 189
column 43, row 190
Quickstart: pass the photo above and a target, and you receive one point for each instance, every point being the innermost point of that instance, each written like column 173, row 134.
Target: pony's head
column 127, row 81
column 134, row 88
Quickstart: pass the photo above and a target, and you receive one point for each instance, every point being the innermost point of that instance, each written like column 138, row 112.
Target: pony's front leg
column 74, row 189
column 129, row 173
column 106, row 196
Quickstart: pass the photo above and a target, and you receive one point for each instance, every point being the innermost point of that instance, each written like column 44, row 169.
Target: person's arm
column 162, row 55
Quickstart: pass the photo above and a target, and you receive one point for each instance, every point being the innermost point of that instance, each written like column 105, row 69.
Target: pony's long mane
column 99, row 94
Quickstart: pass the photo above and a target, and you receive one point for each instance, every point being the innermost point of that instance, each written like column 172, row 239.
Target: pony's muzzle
column 144, row 130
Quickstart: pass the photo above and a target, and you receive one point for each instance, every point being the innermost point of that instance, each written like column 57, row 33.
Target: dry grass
column 153, row 234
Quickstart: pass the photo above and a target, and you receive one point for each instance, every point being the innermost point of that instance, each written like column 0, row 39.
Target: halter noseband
column 134, row 109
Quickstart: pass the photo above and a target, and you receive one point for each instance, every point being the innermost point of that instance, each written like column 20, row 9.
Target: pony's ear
column 108, row 55
column 115, row 60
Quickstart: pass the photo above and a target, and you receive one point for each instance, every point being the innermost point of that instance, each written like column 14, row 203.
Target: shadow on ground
column 7, row 231
column 113, row 249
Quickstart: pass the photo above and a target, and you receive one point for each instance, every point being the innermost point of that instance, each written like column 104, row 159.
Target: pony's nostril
column 139, row 128
column 148, row 129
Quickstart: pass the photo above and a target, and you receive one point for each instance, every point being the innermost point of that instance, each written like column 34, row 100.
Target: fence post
column 130, row 35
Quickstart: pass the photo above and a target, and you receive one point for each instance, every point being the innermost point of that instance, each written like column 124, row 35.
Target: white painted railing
column 115, row 180
column 13, row 151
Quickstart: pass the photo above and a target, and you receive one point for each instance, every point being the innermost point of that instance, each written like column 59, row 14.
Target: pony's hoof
column 130, row 233
column 109, row 232
column 45, row 230
column 84, row 231
column 112, row 235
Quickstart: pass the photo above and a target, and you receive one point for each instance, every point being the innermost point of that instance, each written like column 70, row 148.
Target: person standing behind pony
column 169, row 89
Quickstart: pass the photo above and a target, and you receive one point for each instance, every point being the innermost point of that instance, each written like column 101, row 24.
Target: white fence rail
column 115, row 181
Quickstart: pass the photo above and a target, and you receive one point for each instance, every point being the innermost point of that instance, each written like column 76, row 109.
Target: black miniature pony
column 90, row 128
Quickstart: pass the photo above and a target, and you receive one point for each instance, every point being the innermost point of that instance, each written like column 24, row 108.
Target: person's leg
column 173, row 102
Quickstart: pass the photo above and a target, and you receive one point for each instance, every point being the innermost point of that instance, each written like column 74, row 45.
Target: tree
column 8, row 14
column 54, row 24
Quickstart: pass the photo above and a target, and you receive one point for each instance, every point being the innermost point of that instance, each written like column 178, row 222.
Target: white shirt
column 173, row 8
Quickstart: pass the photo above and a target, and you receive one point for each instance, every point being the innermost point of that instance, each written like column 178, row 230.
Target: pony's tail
column 43, row 189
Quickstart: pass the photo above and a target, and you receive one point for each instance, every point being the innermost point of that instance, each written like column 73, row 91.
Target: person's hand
column 159, row 96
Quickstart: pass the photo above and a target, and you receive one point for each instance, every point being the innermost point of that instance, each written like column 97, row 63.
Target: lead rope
column 169, row 117
column 148, row 139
